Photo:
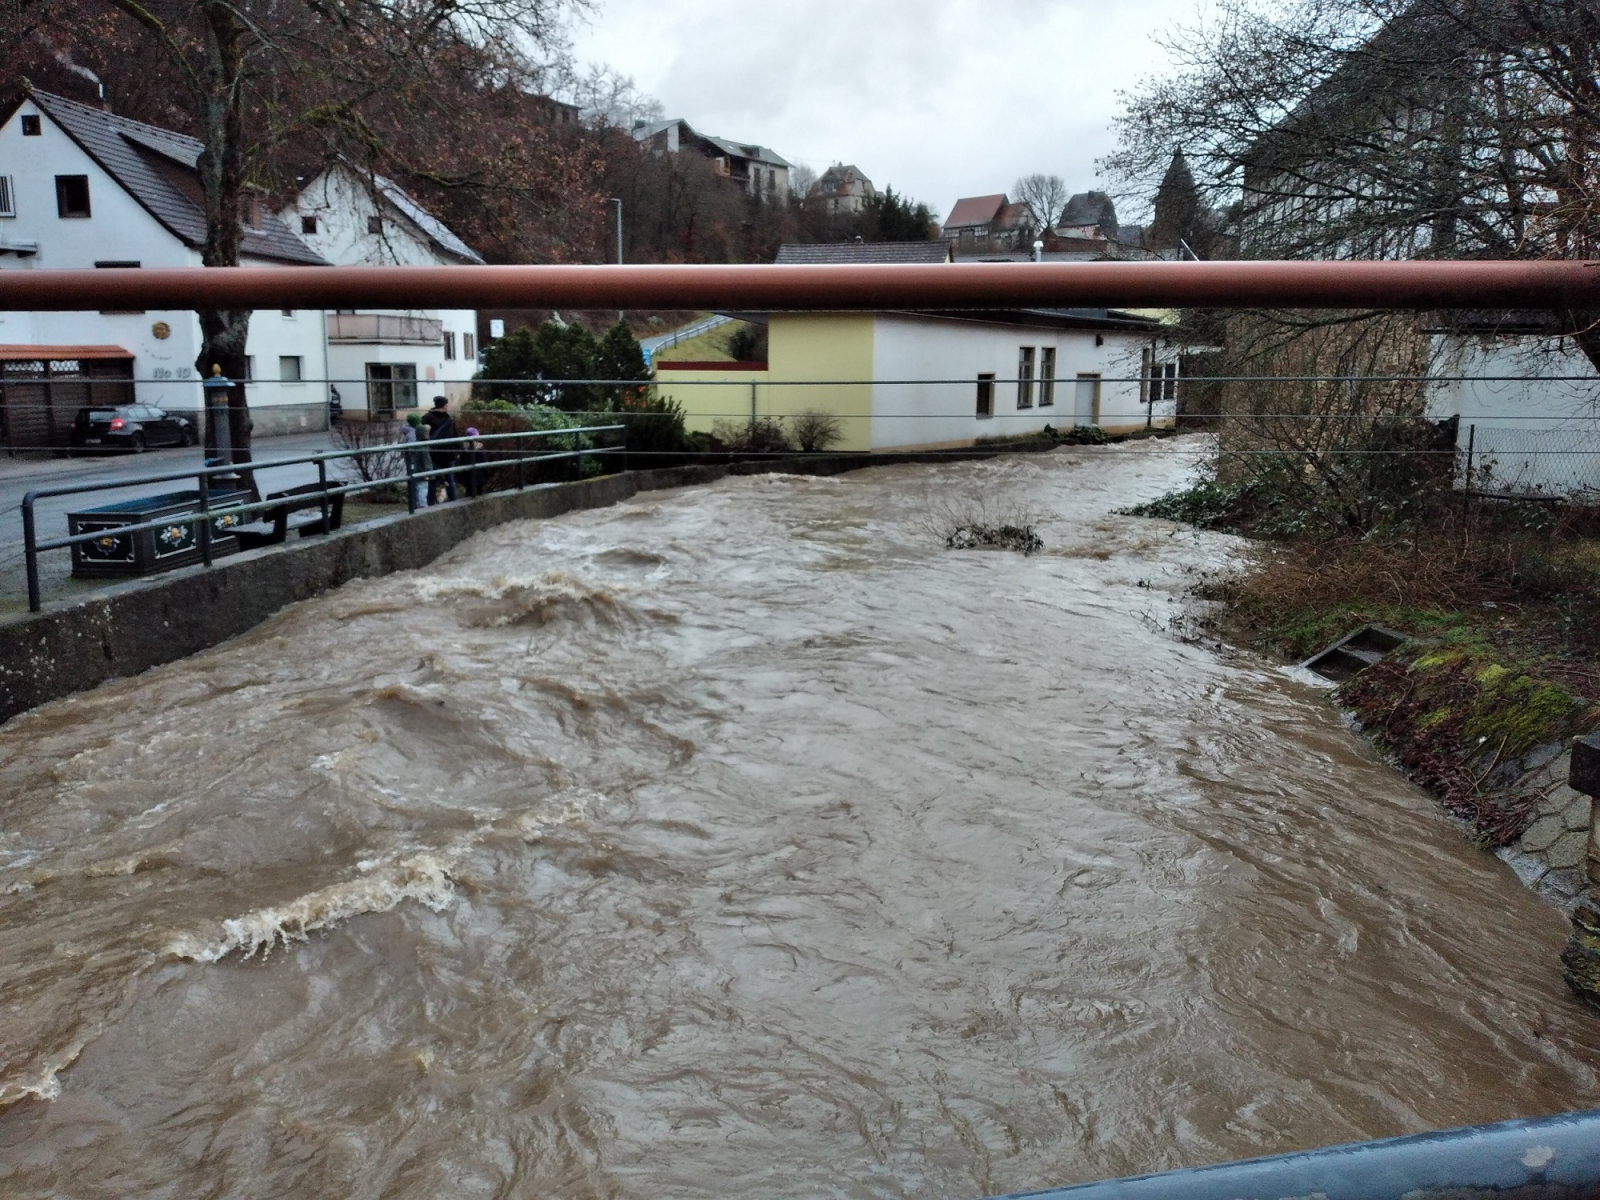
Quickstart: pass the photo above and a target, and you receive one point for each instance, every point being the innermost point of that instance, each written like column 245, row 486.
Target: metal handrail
column 1547, row 1157
column 33, row 547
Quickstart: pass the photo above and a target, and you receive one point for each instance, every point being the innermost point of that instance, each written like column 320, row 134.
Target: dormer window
column 30, row 125
column 72, row 196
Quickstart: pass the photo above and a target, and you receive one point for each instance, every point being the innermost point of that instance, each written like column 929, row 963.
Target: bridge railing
column 204, row 514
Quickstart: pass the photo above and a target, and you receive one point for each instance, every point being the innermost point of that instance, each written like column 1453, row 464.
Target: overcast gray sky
column 940, row 98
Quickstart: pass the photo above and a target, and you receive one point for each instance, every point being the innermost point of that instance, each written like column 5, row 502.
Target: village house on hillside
column 82, row 187
column 378, row 359
column 842, row 189
column 978, row 223
column 759, row 170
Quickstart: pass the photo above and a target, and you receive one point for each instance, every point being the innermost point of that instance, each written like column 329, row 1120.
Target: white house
column 899, row 380
column 388, row 361
column 81, row 187
column 1527, row 402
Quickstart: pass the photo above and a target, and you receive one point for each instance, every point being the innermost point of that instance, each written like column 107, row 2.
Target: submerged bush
column 975, row 524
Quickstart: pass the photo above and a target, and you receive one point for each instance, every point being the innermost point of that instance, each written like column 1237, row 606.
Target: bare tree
column 1387, row 128
column 258, row 81
column 1045, row 196
column 605, row 97
column 801, row 180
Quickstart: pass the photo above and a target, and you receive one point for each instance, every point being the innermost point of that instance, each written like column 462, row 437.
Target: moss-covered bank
column 1490, row 742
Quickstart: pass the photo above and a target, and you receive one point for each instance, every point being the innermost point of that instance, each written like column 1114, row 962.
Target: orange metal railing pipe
column 1401, row 285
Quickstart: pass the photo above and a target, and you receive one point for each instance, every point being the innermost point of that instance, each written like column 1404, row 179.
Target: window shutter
column 8, row 204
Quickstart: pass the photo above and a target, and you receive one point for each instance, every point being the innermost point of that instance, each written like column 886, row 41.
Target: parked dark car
column 135, row 427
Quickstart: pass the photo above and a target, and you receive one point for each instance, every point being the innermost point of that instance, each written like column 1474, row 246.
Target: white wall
column 1530, row 434
column 926, row 347
column 341, row 205
column 120, row 230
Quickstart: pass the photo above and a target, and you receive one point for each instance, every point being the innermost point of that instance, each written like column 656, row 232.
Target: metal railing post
column 205, row 518
column 411, row 479
column 522, row 451
column 322, row 482
column 32, row 555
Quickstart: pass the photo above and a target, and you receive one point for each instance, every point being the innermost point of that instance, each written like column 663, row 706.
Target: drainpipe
column 1581, row 960
column 327, row 375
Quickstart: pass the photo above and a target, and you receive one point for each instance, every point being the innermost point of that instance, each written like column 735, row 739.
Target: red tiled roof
column 710, row 366
column 974, row 210
column 12, row 353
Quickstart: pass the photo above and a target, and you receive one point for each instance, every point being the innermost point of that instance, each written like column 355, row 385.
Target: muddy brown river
column 743, row 841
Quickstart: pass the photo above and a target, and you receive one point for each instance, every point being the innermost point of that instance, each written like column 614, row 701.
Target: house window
column 986, row 395
column 30, row 125
column 1047, row 376
column 469, row 346
column 288, row 313
column 308, row 224
column 289, row 366
column 1167, row 385
column 390, row 386
column 374, row 224
column 8, row 197
column 72, row 195
column 449, row 344
column 1025, row 377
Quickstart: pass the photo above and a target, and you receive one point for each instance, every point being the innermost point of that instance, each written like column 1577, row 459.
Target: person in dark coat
column 441, row 425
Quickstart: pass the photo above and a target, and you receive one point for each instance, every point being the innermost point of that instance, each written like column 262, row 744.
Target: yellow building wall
column 711, row 396
column 808, row 354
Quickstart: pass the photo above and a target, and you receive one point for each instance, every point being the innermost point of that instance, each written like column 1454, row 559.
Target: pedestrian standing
column 442, row 426
column 473, row 458
column 416, row 460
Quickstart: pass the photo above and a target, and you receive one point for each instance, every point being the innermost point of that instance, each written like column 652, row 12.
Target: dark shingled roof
column 157, row 168
column 863, row 252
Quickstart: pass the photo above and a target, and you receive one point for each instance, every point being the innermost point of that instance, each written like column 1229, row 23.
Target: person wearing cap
column 441, row 425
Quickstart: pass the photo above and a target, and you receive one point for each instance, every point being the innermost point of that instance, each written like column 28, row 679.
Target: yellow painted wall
column 710, row 396
column 803, row 348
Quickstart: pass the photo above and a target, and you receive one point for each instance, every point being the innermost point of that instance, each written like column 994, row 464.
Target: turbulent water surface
column 744, row 841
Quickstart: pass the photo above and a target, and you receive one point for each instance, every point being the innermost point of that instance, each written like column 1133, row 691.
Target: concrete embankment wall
column 144, row 623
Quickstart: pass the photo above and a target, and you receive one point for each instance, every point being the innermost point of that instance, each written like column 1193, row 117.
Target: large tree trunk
column 221, row 166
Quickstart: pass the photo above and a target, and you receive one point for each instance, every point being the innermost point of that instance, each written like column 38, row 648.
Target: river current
column 745, row 841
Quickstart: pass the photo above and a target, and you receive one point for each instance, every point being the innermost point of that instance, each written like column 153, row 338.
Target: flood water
column 743, row 841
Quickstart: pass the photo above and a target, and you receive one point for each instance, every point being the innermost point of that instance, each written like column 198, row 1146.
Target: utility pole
column 617, row 200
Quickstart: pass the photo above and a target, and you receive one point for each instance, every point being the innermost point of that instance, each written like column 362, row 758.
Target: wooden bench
column 300, row 510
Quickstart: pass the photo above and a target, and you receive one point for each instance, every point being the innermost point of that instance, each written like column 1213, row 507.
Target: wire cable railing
column 203, row 517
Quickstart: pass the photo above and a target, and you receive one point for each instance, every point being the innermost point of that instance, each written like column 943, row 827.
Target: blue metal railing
column 205, row 513
column 1545, row 1158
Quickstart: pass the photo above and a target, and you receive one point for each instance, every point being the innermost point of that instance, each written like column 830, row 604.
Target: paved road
column 682, row 334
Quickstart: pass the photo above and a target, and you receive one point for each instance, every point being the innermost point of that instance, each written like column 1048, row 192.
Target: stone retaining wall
column 1552, row 851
